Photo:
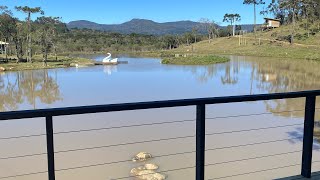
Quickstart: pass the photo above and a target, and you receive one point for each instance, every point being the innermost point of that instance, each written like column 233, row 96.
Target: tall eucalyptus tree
column 29, row 11
column 255, row 3
column 232, row 18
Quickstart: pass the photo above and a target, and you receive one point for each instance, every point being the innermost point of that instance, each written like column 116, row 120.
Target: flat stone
column 142, row 156
column 158, row 176
column 137, row 170
column 151, row 167
column 150, row 175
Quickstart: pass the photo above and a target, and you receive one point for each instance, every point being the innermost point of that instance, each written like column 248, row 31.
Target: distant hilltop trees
column 50, row 36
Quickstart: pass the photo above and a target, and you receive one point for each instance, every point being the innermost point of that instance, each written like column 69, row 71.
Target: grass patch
column 272, row 43
column 195, row 60
column 230, row 46
column 62, row 62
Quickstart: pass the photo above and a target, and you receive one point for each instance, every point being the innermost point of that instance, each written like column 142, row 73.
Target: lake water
column 106, row 153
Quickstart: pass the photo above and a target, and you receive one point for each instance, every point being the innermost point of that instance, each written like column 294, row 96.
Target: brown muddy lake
column 101, row 146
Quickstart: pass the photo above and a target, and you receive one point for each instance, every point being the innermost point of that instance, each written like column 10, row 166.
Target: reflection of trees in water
column 231, row 73
column 272, row 76
column 206, row 73
column 203, row 73
column 275, row 76
column 10, row 95
column 29, row 86
column 286, row 76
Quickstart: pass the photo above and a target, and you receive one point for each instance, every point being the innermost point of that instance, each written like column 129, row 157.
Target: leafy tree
column 10, row 30
column 170, row 41
column 255, row 3
column 210, row 27
column 6, row 25
column 195, row 33
column 292, row 7
column 232, row 18
column 29, row 11
column 46, row 33
column 5, row 10
column 274, row 9
column 187, row 38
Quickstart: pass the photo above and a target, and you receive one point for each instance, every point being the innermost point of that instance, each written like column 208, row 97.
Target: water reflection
column 231, row 73
column 28, row 87
column 242, row 75
column 276, row 75
column 148, row 80
column 110, row 69
column 203, row 74
column 267, row 75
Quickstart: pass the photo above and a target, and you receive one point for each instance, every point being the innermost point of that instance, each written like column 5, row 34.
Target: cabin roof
column 272, row 19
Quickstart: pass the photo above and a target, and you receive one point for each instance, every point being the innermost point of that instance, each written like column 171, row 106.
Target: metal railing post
column 200, row 141
column 50, row 148
column 306, row 168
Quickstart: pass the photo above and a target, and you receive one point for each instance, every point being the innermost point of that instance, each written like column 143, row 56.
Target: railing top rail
column 12, row 115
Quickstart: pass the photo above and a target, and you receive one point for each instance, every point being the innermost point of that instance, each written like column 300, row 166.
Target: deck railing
column 200, row 122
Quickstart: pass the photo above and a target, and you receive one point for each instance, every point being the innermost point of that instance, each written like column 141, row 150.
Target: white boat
column 109, row 60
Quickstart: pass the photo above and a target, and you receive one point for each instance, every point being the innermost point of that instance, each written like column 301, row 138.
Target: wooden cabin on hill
column 271, row 23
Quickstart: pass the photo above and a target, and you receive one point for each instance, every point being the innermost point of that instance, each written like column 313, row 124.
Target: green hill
column 273, row 43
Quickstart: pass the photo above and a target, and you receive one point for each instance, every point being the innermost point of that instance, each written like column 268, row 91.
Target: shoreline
column 37, row 64
column 202, row 48
column 230, row 46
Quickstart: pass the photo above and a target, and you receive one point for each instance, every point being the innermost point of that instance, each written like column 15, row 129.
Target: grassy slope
column 300, row 32
column 306, row 49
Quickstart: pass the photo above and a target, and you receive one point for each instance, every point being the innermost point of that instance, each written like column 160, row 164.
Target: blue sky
column 119, row 11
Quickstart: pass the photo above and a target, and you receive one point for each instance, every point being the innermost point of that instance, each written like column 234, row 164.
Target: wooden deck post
column 50, row 148
column 200, row 141
column 306, row 168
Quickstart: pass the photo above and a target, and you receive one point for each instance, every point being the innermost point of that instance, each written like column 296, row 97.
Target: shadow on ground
column 315, row 176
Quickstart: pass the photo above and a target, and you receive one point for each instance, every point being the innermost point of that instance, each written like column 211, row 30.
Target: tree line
column 289, row 12
column 307, row 12
column 28, row 37
column 49, row 35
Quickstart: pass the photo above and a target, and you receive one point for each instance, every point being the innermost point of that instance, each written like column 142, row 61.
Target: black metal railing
column 200, row 127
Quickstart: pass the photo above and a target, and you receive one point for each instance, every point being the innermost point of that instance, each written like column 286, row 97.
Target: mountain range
column 144, row 26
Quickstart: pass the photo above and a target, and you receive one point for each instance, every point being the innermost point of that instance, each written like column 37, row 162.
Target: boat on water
column 109, row 60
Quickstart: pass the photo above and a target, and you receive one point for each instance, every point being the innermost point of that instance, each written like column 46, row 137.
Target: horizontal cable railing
column 157, row 140
column 265, row 170
column 199, row 136
column 151, row 105
column 22, row 175
column 147, row 124
column 166, row 155
column 227, row 162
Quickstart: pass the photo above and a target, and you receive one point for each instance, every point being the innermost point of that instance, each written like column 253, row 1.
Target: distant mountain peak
column 82, row 21
column 139, row 26
column 143, row 26
column 140, row 21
